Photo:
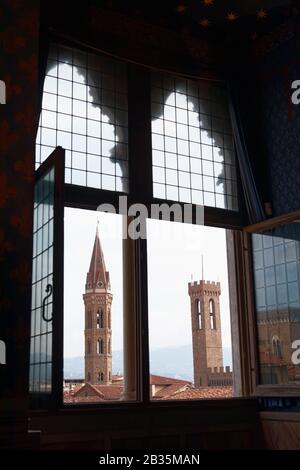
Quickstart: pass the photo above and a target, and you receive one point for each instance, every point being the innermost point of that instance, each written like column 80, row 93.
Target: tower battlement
column 203, row 287
column 206, row 329
column 218, row 370
column 219, row 376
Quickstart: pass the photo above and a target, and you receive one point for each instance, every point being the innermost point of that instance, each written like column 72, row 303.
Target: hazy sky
column 174, row 258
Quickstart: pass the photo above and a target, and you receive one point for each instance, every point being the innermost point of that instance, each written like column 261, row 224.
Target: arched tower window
column 101, row 377
column 212, row 314
column 276, row 346
column 100, row 346
column 89, row 346
column 89, row 319
column 88, row 376
column 274, row 341
column 100, row 319
column 279, row 348
column 109, row 347
column 198, row 315
column 98, row 377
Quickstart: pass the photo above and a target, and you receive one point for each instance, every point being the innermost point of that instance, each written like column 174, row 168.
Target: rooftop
column 166, row 388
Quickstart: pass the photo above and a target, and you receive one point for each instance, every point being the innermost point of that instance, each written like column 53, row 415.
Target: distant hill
column 170, row 362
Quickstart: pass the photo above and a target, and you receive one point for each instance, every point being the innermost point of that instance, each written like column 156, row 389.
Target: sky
column 174, row 259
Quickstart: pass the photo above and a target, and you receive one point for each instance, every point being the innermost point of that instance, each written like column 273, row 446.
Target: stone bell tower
column 97, row 301
column 206, row 329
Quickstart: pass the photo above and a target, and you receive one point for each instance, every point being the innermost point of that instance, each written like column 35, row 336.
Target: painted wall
column 278, row 65
column 18, row 121
column 19, row 70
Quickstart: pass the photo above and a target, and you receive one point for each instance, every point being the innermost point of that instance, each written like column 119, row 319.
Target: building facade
column 277, row 331
column 98, row 331
column 206, row 335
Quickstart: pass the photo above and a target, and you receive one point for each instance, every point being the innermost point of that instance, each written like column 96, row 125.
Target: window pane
column 189, row 317
column 93, row 305
column 195, row 125
column 276, row 280
column 82, row 105
column 42, row 282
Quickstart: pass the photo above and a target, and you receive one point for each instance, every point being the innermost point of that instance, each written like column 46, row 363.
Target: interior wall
column 19, row 66
column 277, row 64
column 19, row 70
column 213, row 425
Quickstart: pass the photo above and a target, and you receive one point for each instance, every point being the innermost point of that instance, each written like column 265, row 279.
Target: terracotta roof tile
column 110, row 392
column 201, row 393
column 170, row 390
column 174, row 389
column 160, row 380
column 103, row 392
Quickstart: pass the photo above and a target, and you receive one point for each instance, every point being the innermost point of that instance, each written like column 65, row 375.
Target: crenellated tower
column 98, row 334
column 206, row 330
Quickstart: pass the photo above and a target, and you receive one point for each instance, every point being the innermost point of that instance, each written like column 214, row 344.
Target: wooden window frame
column 56, row 161
column 263, row 390
column 140, row 191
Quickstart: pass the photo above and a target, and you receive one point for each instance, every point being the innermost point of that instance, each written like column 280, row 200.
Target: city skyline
column 164, row 240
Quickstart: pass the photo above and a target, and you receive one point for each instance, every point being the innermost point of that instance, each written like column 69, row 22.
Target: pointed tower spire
column 98, row 333
column 97, row 276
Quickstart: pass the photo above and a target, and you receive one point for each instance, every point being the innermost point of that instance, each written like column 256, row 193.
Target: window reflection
column 276, row 265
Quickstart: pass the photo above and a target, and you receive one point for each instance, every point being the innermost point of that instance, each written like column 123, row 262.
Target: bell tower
column 97, row 302
column 206, row 329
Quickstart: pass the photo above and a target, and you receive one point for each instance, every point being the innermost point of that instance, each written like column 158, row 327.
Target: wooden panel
column 157, row 426
column 281, row 431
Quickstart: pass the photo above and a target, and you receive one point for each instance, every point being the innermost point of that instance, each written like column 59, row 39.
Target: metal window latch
column 49, row 290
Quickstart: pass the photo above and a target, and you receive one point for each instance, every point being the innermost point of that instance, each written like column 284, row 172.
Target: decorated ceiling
column 220, row 18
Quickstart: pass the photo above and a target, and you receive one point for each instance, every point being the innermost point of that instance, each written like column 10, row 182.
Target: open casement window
column 45, row 381
column 274, row 247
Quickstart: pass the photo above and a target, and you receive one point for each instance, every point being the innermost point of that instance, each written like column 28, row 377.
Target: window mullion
column 140, row 148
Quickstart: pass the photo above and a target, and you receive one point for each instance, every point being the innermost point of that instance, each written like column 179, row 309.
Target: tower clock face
column 99, row 284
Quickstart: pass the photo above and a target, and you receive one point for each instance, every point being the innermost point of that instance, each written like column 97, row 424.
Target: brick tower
column 97, row 301
column 206, row 330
